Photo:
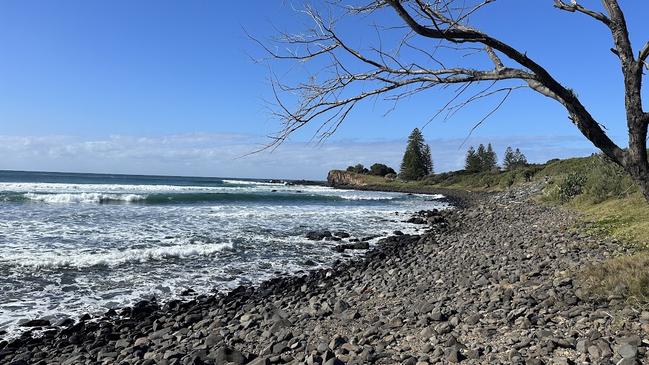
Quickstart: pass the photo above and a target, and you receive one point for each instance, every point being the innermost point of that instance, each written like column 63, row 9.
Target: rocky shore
column 493, row 282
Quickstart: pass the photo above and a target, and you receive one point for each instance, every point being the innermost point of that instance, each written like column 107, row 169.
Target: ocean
column 72, row 244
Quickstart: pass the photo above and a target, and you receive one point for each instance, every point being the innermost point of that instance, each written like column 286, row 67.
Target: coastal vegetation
column 607, row 199
column 417, row 161
column 482, row 159
column 377, row 169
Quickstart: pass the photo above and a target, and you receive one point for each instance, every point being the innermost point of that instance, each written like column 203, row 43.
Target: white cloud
column 224, row 154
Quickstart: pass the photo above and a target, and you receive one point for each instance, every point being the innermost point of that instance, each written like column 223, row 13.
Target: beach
column 494, row 282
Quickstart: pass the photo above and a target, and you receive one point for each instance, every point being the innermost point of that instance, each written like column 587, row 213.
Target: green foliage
column 571, row 186
column 359, row 169
column 490, row 160
column 607, row 180
column 428, row 159
column 417, row 161
column 380, row 169
column 472, row 162
column 480, row 160
column 513, row 159
column 602, row 179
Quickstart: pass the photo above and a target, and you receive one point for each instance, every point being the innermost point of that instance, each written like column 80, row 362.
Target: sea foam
column 84, row 198
column 116, row 258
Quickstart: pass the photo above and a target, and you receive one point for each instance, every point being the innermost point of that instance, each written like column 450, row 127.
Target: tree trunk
column 636, row 162
column 643, row 183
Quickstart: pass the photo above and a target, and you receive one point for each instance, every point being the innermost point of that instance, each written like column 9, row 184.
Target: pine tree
column 491, row 160
column 520, row 158
column 514, row 159
column 509, row 160
column 417, row 162
column 472, row 162
column 481, row 157
column 428, row 159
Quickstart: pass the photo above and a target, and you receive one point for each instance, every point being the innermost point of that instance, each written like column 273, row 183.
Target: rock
column 340, row 306
column 36, row 323
column 336, row 342
column 437, row 315
column 628, row 351
column 318, row 235
column 352, row 246
column 342, row 234
column 473, row 319
column 334, row 361
column 224, row 355
column 453, row 355
column 65, row 322
column 187, row 292
column 280, row 347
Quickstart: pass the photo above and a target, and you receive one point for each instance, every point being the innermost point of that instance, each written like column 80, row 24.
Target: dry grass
column 627, row 276
column 626, row 219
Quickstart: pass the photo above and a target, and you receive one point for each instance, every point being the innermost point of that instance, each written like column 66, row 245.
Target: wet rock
column 36, row 323
column 318, row 235
column 342, row 234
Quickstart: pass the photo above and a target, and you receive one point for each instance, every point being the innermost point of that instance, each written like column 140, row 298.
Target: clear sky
column 170, row 87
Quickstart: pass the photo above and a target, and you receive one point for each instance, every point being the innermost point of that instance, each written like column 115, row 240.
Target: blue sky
column 170, row 87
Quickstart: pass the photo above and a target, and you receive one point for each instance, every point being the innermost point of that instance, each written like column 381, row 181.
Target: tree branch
column 574, row 7
column 551, row 87
column 644, row 53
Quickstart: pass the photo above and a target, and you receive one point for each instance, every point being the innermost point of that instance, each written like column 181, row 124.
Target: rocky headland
column 493, row 282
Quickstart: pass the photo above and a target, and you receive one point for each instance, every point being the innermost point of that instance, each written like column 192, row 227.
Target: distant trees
column 377, row 169
column 513, row 159
column 358, row 168
column 380, row 169
column 482, row 159
column 417, row 161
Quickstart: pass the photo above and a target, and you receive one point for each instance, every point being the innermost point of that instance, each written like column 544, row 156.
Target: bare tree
column 428, row 28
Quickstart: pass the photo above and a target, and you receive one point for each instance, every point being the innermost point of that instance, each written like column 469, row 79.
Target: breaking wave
column 190, row 198
column 116, row 258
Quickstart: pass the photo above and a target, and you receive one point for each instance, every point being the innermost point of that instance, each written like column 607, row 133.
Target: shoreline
column 414, row 299
column 455, row 197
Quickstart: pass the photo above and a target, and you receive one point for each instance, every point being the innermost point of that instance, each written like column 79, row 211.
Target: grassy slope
column 609, row 202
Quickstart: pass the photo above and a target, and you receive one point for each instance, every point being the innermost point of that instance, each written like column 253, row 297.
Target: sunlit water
column 77, row 243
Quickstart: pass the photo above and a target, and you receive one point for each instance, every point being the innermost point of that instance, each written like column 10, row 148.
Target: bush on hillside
column 607, row 180
column 358, row 168
column 571, row 186
column 380, row 169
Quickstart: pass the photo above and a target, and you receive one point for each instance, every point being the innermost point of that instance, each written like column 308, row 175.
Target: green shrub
column 571, row 186
column 607, row 180
column 380, row 169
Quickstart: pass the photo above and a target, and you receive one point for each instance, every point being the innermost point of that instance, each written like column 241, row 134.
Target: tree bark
column 636, row 162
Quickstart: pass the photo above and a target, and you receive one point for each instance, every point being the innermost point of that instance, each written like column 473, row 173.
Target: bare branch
column 494, row 57
column 462, row 34
column 644, row 53
column 574, row 7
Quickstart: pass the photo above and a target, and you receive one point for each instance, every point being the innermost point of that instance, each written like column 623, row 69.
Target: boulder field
column 491, row 283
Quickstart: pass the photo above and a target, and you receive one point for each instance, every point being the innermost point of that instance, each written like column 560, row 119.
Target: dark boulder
column 318, row 235
column 352, row 246
column 36, row 323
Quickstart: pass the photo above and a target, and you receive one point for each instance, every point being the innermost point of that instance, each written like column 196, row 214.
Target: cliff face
column 344, row 178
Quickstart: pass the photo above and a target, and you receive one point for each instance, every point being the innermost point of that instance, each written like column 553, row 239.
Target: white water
column 64, row 253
